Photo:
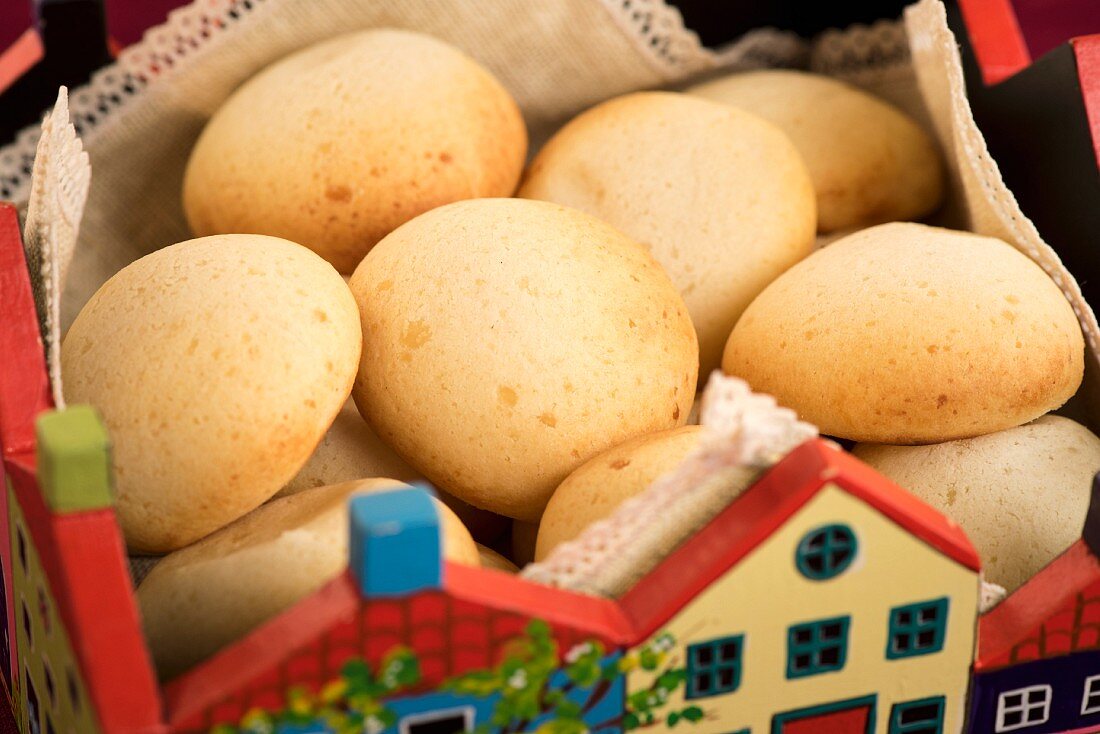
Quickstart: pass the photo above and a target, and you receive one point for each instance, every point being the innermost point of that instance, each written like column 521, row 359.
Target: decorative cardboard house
column 1038, row 661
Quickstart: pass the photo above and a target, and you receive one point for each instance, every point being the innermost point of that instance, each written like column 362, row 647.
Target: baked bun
column 508, row 341
column 720, row 197
column 336, row 145
column 870, row 163
column 594, row 490
column 201, row 598
column 1021, row 495
column 217, row 365
column 904, row 333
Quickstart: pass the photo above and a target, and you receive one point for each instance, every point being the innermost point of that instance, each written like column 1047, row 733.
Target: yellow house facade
column 841, row 621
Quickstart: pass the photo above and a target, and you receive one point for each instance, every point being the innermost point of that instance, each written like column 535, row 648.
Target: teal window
column 917, row 629
column 917, row 717
column 817, row 647
column 825, row 552
column 714, row 667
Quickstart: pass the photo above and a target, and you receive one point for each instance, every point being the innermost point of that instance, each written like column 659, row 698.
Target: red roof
column 766, row 506
column 464, row 626
column 1055, row 613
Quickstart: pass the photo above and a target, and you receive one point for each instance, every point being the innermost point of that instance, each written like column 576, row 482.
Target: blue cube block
column 395, row 543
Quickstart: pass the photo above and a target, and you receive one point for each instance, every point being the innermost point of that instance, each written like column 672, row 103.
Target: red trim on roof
column 1087, row 52
column 231, row 669
column 996, row 38
column 762, row 509
column 24, row 385
column 591, row 615
column 1046, row 594
column 728, row 538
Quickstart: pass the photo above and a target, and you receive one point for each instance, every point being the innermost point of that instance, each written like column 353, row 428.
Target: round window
column 826, row 552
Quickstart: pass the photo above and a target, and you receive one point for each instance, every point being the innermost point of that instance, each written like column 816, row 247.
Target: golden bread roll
column 721, row 198
column 870, row 163
column 903, row 333
column 508, row 341
column 491, row 559
column 339, row 143
column 595, row 489
column 1020, row 494
column 217, row 365
column 350, row 450
column 201, row 598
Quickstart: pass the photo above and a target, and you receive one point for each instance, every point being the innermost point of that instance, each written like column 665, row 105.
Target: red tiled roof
column 464, row 626
column 762, row 509
column 1055, row 613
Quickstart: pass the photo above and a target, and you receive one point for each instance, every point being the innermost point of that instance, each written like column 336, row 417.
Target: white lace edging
column 676, row 52
column 858, row 47
column 187, row 30
column 59, row 189
column 744, row 432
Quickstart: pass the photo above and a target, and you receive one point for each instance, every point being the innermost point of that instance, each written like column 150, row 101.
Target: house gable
column 763, row 509
column 765, row 597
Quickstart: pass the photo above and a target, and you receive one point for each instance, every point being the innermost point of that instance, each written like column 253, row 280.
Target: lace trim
column 858, row 47
column 676, row 52
column 187, row 30
column 932, row 16
column 59, row 188
column 744, row 432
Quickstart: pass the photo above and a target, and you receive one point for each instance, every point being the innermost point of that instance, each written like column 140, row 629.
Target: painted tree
column 529, row 690
column 353, row 703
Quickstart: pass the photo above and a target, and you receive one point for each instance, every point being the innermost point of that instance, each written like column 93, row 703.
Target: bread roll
column 869, row 162
column 594, row 490
column 721, row 198
column 217, row 365
column 348, row 451
column 491, row 559
column 508, row 341
column 201, row 598
column 1020, row 494
column 336, row 145
column 903, row 333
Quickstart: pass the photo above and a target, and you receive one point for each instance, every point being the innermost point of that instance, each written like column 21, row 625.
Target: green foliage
column 643, row 707
column 525, row 683
column 351, row 704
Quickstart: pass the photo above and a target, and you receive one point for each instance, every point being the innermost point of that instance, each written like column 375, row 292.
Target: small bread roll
column 1021, row 495
column 339, row 143
column 903, row 333
column 721, row 198
column 491, row 559
column 869, row 162
column 201, row 598
column 594, row 490
column 217, row 365
column 351, row 450
column 348, row 451
column 508, row 341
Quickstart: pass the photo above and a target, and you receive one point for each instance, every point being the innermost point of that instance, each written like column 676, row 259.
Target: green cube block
column 74, row 459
